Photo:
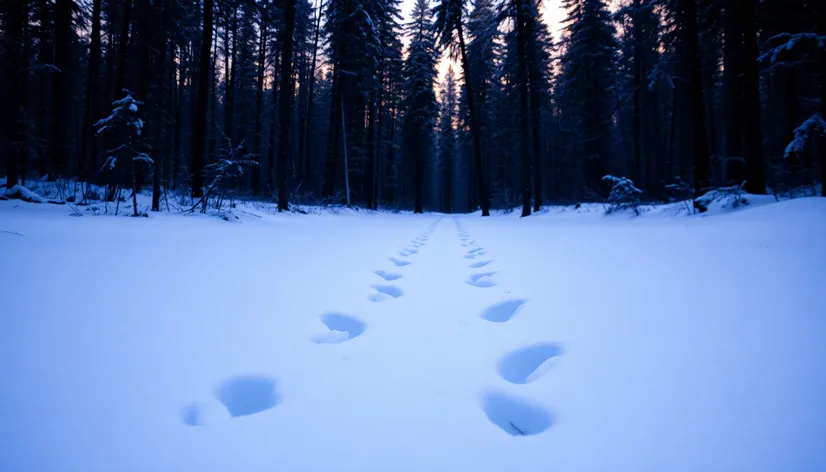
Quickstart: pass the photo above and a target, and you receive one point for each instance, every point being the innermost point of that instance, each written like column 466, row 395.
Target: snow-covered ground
column 377, row 342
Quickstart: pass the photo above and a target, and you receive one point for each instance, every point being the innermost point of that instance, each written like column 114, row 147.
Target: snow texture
column 665, row 342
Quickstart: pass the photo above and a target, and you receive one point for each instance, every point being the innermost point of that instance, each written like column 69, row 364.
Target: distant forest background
column 339, row 101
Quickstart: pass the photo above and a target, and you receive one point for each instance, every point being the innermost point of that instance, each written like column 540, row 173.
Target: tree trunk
column 285, row 106
column 199, row 130
column 475, row 126
column 522, row 52
column 159, row 136
column 62, row 90
column 259, row 104
column 229, row 78
column 14, row 83
column 755, row 168
column 270, row 177
column 695, row 84
column 734, row 62
column 331, row 164
column 636, row 168
column 535, row 80
column 91, row 111
column 307, row 145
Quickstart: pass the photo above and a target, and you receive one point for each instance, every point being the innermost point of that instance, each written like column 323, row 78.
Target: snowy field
column 378, row 342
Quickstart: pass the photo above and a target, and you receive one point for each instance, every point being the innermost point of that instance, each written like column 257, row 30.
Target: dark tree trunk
column 695, row 85
column 331, row 164
column 199, row 130
column 637, row 165
column 159, row 135
column 371, row 150
column 475, row 126
column 91, row 110
column 270, row 177
column 62, row 90
column 821, row 28
column 734, row 62
column 229, row 78
column 753, row 145
column 259, row 104
column 123, row 50
column 522, row 52
column 285, row 106
column 14, row 86
column 536, row 87
column 306, row 150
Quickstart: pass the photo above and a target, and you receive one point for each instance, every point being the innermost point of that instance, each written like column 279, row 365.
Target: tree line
column 339, row 101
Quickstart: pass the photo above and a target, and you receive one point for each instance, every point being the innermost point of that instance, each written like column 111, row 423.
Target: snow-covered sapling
column 624, row 194
column 223, row 174
column 127, row 128
column 730, row 197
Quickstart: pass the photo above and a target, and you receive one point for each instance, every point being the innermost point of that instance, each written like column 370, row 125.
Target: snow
column 585, row 342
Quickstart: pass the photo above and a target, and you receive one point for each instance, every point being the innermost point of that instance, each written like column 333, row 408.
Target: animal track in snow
column 409, row 252
column 246, row 395
column 514, row 415
column 479, row 264
column 529, row 363
column 342, row 328
column 388, row 276
column 503, row 311
column 482, row 280
column 470, row 256
column 385, row 292
column 399, row 262
column 476, row 249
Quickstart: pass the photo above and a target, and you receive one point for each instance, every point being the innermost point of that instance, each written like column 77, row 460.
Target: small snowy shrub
column 729, row 197
column 127, row 129
column 223, row 175
column 624, row 195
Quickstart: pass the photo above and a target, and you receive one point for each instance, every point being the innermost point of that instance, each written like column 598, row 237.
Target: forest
column 335, row 102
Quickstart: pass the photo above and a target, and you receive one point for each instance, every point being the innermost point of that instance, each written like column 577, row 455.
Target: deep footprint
column 529, row 363
column 514, row 415
column 399, row 262
column 502, row 312
column 483, row 280
column 479, row 264
column 388, row 276
column 341, row 328
column 247, row 395
column 385, row 292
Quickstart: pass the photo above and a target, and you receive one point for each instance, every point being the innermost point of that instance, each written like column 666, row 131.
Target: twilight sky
column 552, row 9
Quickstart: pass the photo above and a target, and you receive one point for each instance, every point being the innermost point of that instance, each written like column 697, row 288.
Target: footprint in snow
column 529, row 363
column 476, row 249
column 479, row 264
column 399, row 262
column 514, row 415
column 341, row 328
column 385, row 292
column 243, row 395
column 388, row 276
column 408, row 252
column 470, row 256
column 503, row 311
column 483, row 280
